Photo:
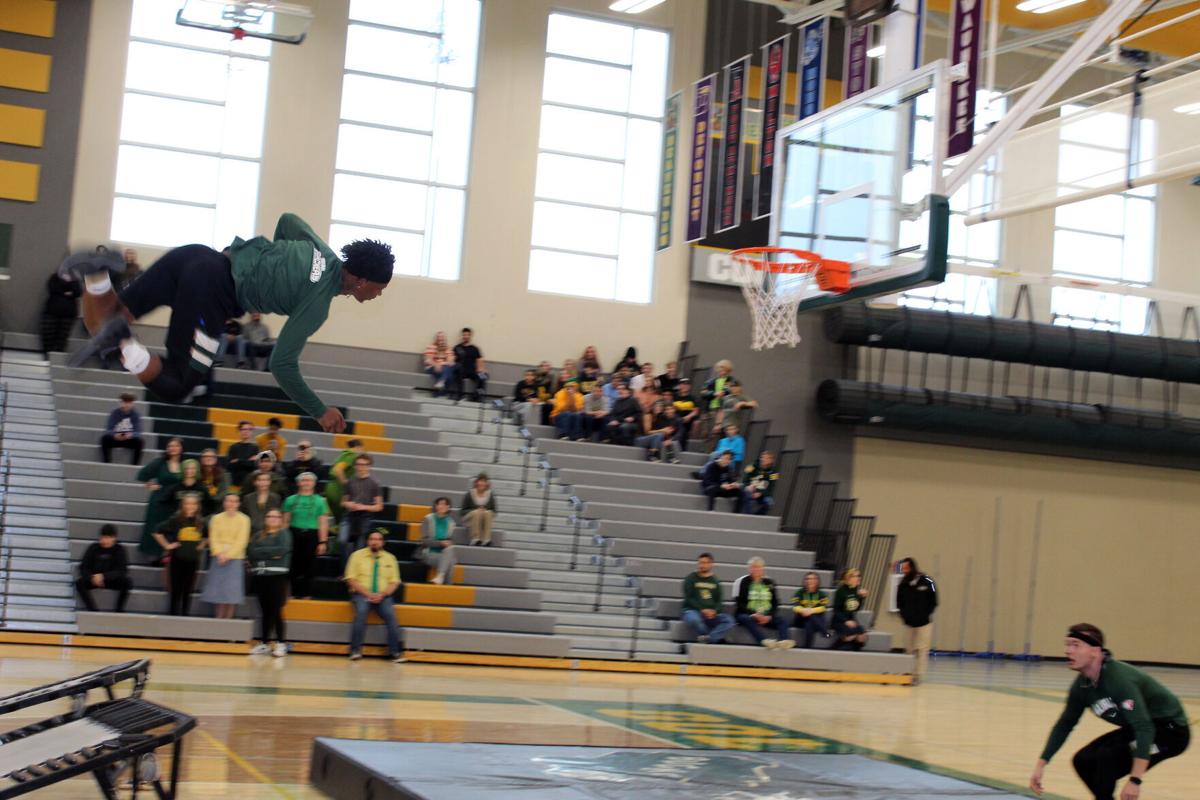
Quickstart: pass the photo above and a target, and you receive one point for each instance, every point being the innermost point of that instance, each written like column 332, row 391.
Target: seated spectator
column 612, row 387
column 719, row 479
column 242, row 454
column 686, row 408
column 189, row 483
column 437, row 543
column 810, row 604
column 160, row 477
column 213, row 479
column 759, row 480
column 470, row 367
column 570, row 368
column 305, row 461
column 260, row 500
column 307, row 514
column 758, row 607
column 272, row 435
column 658, row 433
column 590, row 359
column 737, row 408
column 629, row 361
column 525, row 397
column 270, row 556
column 713, row 395
column 479, row 510
column 669, row 379
column 644, row 378
column 647, row 396
column 588, row 377
column 624, row 417
column 846, row 603
column 104, row 566
column 666, row 422
column 567, row 415
column 257, row 344
column 595, row 413
column 362, row 500
column 732, row 443
column 438, row 360
column 228, row 535
column 339, row 474
column 703, row 603
column 123, row 431
column 182, row 538
column 231, row 340
column 265, row 464
column 547, row 386
column 373, row 575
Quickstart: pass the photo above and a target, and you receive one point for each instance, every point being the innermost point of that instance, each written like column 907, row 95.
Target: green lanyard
column 375, row 577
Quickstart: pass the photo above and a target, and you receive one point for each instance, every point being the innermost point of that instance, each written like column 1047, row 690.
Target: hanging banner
column 812, row 67
column 854, row 66
column 775, row 59
column 965, row 50
column 701, row 138
column 729, row 184
column 666, row 197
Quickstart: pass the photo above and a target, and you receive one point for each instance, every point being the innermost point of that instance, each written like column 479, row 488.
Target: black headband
column 1086, row 638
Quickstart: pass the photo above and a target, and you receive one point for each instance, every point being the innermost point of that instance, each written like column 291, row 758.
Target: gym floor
column 978, row 721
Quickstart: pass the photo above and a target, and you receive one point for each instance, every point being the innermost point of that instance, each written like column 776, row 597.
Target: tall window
column 405, row 135
column 1107, row 239
column 599, row 154
column 974, row 245
column 191, row 132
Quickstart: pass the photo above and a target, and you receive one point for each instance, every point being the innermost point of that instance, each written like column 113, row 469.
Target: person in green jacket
column 161, row 477
column 847, row 601
column 1151, row 723
column 269, row 556
column 704, row 603
column 296, row 275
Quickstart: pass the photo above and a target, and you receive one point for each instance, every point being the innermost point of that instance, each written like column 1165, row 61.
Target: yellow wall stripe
column 368, row 429
column 18, row 180
column 407, row 512
column 22, row 70
column 334, row 611
column 22, row 125
column 232, row 416
column 433, row 595
column 30, row 17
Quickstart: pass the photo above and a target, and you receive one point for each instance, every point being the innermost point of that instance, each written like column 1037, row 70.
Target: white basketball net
column 773, row 297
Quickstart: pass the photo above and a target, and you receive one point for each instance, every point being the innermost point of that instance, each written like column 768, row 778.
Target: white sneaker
column 260, row 649
column 476, row 542
column 281, row 650
column 399, row 659
column 785, row 644
column 437, row 580
column 356, row 656
column 770, row 643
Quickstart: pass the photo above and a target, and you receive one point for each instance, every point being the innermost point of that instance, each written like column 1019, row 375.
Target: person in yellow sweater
column 228, row 535
column 567, row 415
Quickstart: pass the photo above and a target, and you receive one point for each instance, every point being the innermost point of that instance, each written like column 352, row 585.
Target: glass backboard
column 259, row 19
column 862, row 182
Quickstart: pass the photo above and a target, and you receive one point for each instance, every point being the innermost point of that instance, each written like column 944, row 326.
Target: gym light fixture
column 877, row 51
column 1045, row 6
column 634, row 6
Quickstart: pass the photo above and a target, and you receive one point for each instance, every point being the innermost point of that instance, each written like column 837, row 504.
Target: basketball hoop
column 774, row 280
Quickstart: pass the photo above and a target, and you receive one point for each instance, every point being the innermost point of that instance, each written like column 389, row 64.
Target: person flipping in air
column 296, row 275
column 1152, row 724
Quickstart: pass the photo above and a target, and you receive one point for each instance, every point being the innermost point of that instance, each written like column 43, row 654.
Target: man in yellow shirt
column 264, row 440
column 373, row 575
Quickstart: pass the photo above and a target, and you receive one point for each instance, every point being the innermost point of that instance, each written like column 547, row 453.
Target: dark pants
column 253, row 351
column 1106, row 760
column 108, row 443
column 183, row 578
column 776, row 623
column 593, row 427
column 197, row 283
column 304, row 561
column 569, row 424
column 121, row 585
column 56, row 331
column 716, row 491
column 756, row 505
column 811, row 625
column 622, row 432
column 272, row 597
column 685, row 430
column 479, row 384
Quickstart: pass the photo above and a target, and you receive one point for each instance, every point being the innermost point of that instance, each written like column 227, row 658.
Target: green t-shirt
column 718, row 386
column 306, row 511
column 760, row 600
column 296, row 275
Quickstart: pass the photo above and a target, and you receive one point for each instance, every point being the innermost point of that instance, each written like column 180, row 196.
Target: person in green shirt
column 847, row 601
column 307, row 514
column 1152, row 725
column 810, row 604
column 296, row 275
column 437, row 542
column 703, row 603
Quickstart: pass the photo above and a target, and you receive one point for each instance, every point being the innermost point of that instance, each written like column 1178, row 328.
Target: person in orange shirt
column 567, row 415
column 272, row 435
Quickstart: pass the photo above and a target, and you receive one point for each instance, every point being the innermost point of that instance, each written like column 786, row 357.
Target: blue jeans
column 715, row 628
column 358, row 629
column 753, row 505
column 777, row 622
column 443, row 375
column 569, row 424
column 812, row 625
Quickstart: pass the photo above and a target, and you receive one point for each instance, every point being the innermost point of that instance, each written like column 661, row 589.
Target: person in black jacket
column 758, row 607
column 917, row 598
column 60, row 313
column 104, row 566
column 624, row 418
column 720, row 479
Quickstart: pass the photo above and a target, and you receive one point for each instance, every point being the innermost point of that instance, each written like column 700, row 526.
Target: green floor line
column 357, row 694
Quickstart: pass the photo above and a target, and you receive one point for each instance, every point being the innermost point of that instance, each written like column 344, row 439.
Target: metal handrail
column 499, row 420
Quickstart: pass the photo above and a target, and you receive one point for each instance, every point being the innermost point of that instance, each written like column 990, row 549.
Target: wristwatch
column 1135, row 781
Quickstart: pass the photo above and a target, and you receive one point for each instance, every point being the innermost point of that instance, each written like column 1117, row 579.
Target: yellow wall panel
column 22, row 125
column 407, row 512
column 22, row 70
column 232, row 416
column 19, row 181
column 431, row 594
column 30, row 17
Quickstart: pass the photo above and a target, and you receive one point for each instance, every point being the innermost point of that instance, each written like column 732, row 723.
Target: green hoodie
column 701, row 592
column 270, row 554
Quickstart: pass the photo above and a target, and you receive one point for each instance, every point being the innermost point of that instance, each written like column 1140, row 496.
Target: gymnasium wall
column 511, row 323
column 1117, row 547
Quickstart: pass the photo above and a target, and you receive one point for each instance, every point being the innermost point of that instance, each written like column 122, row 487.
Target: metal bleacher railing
column 5, row 483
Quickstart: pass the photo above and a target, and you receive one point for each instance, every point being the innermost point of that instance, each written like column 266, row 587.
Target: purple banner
column 965, row 49
column 701, row 140
column 855, row 74
column 775, row 59
column 730, row 191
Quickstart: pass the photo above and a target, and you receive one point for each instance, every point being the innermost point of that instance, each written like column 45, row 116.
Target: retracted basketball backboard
column 259, row 19
column 862, row 183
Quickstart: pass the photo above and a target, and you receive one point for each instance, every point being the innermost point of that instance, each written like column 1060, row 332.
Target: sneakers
column 770, row 644
column 107, row 341
column 701, row 640
column 260, row 649
column 437, row 580
column 476, row 542
column 280, row 650
column 399, row 659
column 674, row 460
column 785, row 644
column 355, row 656
column 79, row 265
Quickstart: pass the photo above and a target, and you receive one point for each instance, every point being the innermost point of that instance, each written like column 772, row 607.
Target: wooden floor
column 975, row 720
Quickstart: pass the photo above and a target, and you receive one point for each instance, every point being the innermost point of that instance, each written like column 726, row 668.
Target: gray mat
column 348, row 769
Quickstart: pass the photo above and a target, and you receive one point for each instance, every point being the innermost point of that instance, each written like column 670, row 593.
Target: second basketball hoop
column 774, row 280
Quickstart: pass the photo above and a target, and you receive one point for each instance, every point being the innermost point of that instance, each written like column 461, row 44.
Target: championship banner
column 854, row 69
column 730, row 179
column 666, row 198
column 701, row 138
column 775, row 59
column 964, row 49
column 812, row 67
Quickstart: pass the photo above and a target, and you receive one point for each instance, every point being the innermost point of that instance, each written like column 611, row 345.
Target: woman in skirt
column 228, row 535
